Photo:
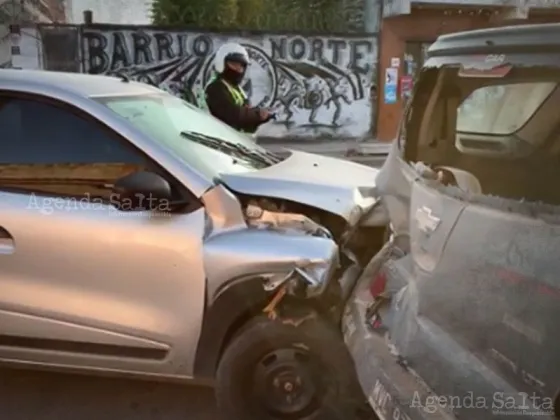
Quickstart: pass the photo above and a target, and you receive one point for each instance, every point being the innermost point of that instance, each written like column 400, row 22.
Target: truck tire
column 275, row 370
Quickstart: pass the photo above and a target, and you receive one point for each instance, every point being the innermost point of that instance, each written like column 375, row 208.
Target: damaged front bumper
column 315, row 277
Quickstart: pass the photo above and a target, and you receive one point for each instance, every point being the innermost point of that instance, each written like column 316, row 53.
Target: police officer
column 225, row 99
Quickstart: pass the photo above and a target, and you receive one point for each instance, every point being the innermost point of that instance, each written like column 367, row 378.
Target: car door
column 82, row 284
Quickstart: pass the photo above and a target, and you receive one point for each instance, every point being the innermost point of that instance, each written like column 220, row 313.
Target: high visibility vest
column 238, row 95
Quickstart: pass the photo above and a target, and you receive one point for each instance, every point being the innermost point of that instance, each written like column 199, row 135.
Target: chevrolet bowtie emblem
column 426, row 221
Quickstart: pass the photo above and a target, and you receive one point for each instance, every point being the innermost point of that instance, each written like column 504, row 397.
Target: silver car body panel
column 94, row 275
column 234, row 251
column 246, row 252
column 340, row 187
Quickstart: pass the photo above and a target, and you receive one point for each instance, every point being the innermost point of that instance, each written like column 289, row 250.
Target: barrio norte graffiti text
column 317, row 85
column 118, row 49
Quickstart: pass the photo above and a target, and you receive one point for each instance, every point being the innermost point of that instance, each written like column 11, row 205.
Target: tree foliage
column 317, row 15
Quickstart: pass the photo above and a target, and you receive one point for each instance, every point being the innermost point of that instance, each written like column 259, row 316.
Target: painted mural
column 318, row 86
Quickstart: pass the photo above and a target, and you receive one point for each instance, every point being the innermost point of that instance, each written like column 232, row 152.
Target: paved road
column 368, row 153
column 373, row 155
column 375, row 161
column 47, row 396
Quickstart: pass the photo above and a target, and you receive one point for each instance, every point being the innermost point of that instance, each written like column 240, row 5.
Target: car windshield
column 194, row 136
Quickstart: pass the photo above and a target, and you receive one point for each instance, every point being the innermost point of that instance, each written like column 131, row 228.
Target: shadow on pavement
column 46, row 396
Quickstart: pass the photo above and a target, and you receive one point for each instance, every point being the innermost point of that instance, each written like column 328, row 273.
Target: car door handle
column 7, row 243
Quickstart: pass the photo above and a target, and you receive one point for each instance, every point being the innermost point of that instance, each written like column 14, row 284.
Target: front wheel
column 275, row 370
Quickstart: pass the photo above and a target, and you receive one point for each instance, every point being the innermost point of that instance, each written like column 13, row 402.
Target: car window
column 502, row 109
column 505, row 133
column 39, row 133
column 51, row 150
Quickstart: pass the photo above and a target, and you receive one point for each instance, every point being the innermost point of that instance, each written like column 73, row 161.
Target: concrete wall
column 397, row 31
column 318, row 85
column 5, row 47
column 23, row 51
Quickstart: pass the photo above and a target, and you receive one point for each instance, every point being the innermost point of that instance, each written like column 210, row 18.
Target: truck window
column 501, row 109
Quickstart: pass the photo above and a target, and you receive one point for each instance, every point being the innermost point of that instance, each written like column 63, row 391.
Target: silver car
column 140, row 236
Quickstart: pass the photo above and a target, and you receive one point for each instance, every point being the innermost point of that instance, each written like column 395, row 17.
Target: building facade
column 336, row 87
column 409, row 27
column 17, row 22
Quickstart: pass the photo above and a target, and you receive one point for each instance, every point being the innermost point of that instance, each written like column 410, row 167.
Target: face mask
column 232, row 76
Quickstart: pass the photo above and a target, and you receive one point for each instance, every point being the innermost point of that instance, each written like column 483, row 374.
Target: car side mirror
column 142, row 190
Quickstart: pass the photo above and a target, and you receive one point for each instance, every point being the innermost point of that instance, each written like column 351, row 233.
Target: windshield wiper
column 237, row 149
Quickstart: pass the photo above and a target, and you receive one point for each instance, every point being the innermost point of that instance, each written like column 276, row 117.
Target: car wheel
column 278, row 370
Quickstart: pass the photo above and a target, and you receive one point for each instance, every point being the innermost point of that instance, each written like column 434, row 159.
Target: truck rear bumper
column 393, row 391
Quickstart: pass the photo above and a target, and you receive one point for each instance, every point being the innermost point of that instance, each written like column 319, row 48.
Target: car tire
column 274, row 369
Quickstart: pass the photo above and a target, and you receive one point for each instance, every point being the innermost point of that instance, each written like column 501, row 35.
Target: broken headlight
column 309, row 278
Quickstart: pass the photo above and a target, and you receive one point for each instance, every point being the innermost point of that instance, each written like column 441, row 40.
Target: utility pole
column 372, row 15
column 69, row 11
column 15, row 32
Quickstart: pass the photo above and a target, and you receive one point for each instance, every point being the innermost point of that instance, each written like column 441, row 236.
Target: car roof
column 507, row 39
column 80, row 84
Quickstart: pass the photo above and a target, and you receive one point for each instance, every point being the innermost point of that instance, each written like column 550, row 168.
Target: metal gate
column 60, row 47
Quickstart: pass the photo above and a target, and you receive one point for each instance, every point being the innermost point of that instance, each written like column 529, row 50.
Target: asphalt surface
column 368, row 153
column 375, row 161
column 26, row 395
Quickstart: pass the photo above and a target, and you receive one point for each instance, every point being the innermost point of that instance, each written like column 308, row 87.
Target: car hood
column 335, row 185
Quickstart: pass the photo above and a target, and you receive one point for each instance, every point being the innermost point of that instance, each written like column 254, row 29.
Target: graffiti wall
column 319, row 87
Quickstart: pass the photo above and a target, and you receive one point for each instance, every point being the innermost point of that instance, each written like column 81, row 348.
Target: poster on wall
column 391, row 80
column 406, row 86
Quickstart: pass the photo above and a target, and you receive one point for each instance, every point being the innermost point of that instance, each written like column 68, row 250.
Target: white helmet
column 230, row 52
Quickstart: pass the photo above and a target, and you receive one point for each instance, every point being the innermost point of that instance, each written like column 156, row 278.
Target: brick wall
column 419, row 26
column 425, row 25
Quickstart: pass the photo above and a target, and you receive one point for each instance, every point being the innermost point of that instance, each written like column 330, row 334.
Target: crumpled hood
column 335, row 185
